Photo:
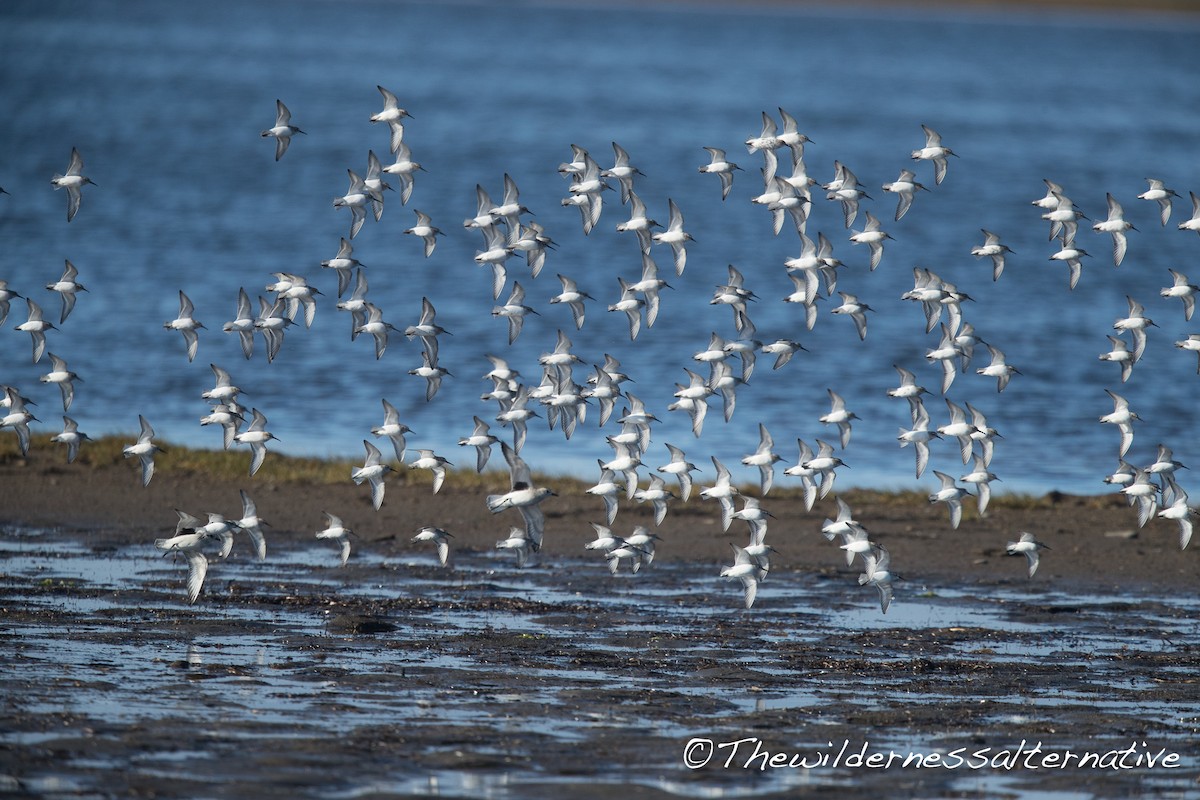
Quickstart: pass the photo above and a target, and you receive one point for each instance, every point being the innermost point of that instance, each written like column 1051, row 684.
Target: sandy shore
column 1095, row 543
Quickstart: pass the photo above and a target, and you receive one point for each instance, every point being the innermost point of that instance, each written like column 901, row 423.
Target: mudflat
column 395, row 676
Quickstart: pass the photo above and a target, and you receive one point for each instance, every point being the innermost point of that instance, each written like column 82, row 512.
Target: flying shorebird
column 393, row 115
column 1027, row 546
column 438, row 537
column 188, row 544
column 522, row 495
column 427, row 459
column 256, row 435
column 425, row 231
column 336, row 530
column 144, row 449
column 372, row 470
column 186, row 324
column 73, row 181
column 67, row 286
column 283, row 130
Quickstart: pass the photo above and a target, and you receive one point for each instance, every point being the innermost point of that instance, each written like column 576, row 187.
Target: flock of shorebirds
column 790, row 197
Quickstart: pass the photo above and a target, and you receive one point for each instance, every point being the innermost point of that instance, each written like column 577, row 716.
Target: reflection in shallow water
column 291, row 650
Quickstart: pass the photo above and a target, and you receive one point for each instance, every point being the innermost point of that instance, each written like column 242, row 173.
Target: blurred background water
column 166, row 102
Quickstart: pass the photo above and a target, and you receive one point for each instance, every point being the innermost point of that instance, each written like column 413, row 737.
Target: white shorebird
column 951, row 494
column 623, row 170
column 823, row 466
column 73, row 181
column 999, row 368
column 1182, row 288
column 1136, row 323
column 693, row 398
column 72, row 437
column 482, row 441
column 186, row 324
column 62, row 376
column 783, row 350
column 523, row 496
column 372, row 470
column 919, row 436
column 342, row 264
column 681, row 468
column 17, row 417
column 1062, row 215
column 856, row 310
column 877, row 572
column 519, row 543
column 934, row 151
column 393, row 115
column 375, row 185
column 764, row 457
column 229, row 417
column 1192, row 224
column 723, row 491
column 404, row 169
column 992, row 248
column 188, row 545
column 335, row 529
column 514, row 310
column 1118, row 227
column 375, row 325
column 251, row 524
column 1159, row 193
column 840, row 416
column 283, row 129
column 1192, row 342
column 982, row 478
column 675, row 236
column 425, row 231
column 746, row 570
column 393, row 429
column 356, row 199
column 767, row 138
column 7, row 295
column 427, row 329
column 846, row 189
column 439, row 538
column 959, row 428
column 242, row 324
column 1122, row 416
column 427, row 459
column 573, row 298
column 1071, row 255
column 1175, row 507
column 604, row 390
column 720, row 166
column 873, row 235
column 67, row 286
column 1026, row 546
column 657, row 495
column 1119, row 354
column 904, row 187
column 36, row 326
column 224, row 390
column 256, row 435
column 144, row 449
column 608, row 490
column 272, row 322
column 947, row 353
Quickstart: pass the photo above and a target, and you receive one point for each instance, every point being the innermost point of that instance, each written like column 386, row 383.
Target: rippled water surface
column 166, row 101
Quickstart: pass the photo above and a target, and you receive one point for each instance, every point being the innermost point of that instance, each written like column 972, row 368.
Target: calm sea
column 166, row 101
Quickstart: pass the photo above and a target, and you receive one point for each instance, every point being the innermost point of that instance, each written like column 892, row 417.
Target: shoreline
column 1094, row 541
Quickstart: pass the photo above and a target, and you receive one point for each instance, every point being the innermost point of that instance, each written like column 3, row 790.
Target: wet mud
column 395, row 677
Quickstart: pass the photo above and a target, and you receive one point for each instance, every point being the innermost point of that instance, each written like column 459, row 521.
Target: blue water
column 166, row 101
